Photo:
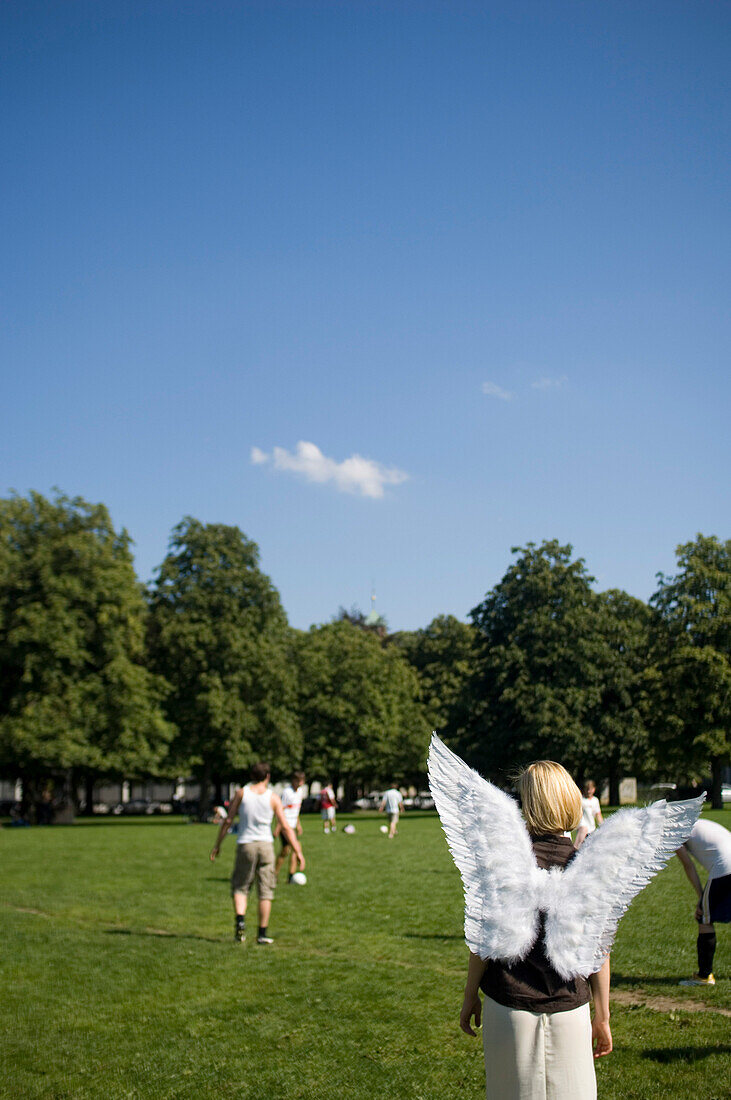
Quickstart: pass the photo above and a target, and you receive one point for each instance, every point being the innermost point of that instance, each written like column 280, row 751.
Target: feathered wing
column 491, row 848
column 612, row 866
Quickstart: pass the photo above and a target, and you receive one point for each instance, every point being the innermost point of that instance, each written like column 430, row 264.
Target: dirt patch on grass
column 664, row 1004
column 23, row 909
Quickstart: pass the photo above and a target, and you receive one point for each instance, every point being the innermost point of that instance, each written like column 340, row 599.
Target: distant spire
column 373, row 619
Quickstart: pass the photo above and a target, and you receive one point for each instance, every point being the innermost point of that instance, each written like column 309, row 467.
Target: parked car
column 136, row 806
column 370, row 801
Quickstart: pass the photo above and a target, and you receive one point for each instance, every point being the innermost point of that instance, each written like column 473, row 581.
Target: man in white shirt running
column 291, row 804
column 710, row 845
column 256, row 806
column 391, row 802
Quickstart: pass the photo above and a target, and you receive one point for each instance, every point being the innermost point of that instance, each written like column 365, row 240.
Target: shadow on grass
column 633, row 981
column 161, row 934
column 430, row 936
column 684, row 1054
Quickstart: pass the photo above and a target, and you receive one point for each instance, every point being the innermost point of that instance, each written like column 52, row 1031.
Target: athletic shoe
column 697, row 980
column 264, row 939
column 240, row 935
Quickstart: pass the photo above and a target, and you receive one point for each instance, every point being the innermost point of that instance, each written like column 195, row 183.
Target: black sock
column 240, row 921
column 263, row 929
column 706, row 951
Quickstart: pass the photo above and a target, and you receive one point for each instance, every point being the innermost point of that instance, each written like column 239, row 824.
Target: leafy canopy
column 219, row 635
column 359, row 706
column 74, row 689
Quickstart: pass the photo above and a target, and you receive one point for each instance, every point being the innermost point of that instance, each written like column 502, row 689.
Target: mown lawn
column 120, row 977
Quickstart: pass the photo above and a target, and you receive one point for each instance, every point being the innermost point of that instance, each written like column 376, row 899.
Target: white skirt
column 537, row 1056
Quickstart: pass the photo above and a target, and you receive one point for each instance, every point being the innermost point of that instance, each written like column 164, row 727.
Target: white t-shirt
column 710, row 844
column 589, row 809
column 393, row 800
column 255, row 816
column 291, row 803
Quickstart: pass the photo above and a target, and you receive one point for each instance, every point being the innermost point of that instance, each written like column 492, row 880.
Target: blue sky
column 484, row 247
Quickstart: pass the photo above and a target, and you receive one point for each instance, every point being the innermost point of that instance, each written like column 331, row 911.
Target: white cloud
column 550, row 383
column 493, row 390
column 356, row 474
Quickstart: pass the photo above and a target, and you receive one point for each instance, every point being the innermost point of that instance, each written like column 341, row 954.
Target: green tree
column 443, row 655
column 551, row 679
column 619, row 744
column 219, row 636
column 692, row 724
column 76, row 699
column 359, row 708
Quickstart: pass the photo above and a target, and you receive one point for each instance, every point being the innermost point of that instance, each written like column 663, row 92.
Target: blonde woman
column 540, row 918
column 537, row 1029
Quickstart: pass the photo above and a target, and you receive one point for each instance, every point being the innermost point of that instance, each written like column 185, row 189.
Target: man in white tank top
column 256, row 806
column 291, row 804
column 710, row 844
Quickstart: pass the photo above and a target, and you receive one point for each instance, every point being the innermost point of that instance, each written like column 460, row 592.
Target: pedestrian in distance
column 392, row 803
column 291, row 804
column 328, row 806
column 591, row 813
column 257, row 806
column 709, row 844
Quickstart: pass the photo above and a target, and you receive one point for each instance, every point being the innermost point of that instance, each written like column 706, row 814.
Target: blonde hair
column 551, row 800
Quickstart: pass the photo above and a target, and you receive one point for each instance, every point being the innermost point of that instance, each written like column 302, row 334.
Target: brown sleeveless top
column 532, row 984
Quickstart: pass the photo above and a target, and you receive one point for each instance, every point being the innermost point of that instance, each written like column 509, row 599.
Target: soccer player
column 291, row 804
column 256, row 806
column 709, row 844
column 391, row 802
column 328, row 805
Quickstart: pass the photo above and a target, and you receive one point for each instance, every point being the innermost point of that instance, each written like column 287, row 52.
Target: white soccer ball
column 299, row 878
column 349, row 829
column 384, row 828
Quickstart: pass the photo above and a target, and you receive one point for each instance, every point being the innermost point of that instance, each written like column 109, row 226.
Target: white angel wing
column 490, row 845
column 612, row 866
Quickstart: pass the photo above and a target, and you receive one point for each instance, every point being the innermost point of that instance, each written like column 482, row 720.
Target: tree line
column 200, row 673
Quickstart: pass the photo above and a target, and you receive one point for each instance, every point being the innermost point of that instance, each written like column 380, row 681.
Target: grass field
column 120, row 977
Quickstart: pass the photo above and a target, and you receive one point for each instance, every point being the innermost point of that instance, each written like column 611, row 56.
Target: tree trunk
column 30, row 796
column 63, row 811
column 218, row 791
column 89, row 794
column 716, row 777
column 204, row 800
column 350, row 795
column 614, row 778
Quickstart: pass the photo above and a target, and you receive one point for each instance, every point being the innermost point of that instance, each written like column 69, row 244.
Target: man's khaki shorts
column 254, row 861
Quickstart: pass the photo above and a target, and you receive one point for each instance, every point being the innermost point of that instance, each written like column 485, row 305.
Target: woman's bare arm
column 472, row 1005
column 601, row 1034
